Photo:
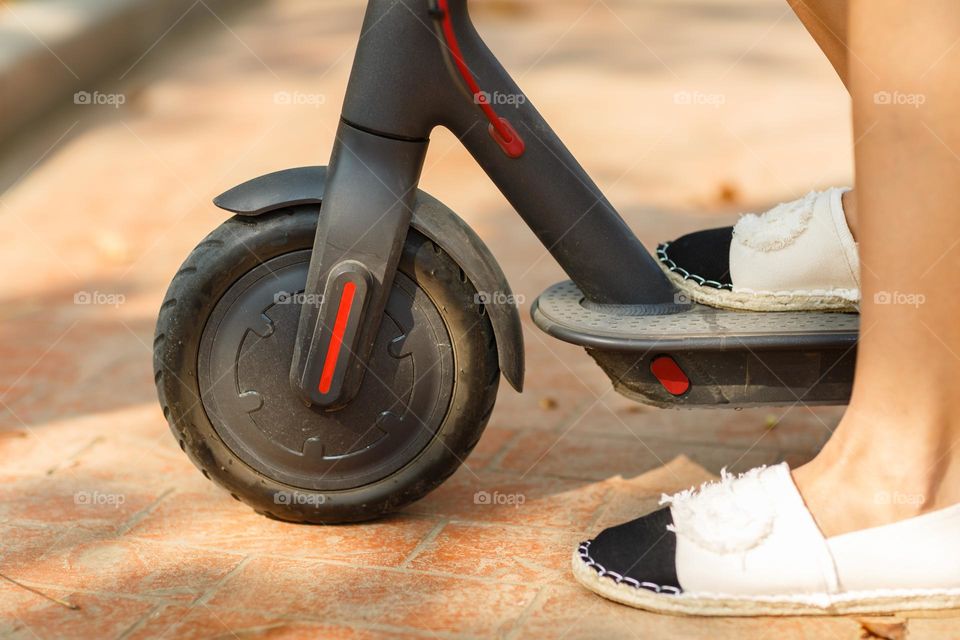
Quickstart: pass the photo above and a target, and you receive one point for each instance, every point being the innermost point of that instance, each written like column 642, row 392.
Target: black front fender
column 305, row 185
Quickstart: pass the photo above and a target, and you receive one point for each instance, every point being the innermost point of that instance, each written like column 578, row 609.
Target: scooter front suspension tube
column 367, row 206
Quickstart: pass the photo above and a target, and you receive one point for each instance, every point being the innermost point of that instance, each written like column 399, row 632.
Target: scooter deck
column 708, row 356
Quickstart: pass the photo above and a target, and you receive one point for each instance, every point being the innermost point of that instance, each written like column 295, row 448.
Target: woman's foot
column 830, row 538
column 869, row 474
column 798, row 256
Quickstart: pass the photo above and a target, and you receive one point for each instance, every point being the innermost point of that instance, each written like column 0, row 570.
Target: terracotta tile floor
column 100, row 509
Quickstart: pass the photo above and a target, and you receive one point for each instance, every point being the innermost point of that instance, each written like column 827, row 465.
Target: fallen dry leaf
column 885, row 628
column 547, row 403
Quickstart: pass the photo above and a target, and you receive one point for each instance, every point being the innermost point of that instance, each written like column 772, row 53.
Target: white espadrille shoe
column 748, row 546
column 798, row 256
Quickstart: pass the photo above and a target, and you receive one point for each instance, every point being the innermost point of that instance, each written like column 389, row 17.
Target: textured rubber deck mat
column 559, row 312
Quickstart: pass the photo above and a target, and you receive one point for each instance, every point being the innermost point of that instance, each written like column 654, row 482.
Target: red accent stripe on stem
column 506, row 136
column 336, row 340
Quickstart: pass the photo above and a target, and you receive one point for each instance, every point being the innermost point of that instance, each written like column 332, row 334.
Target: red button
column 670, row 375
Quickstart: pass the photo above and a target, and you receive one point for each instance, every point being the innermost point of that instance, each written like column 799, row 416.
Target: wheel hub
column 244, row 375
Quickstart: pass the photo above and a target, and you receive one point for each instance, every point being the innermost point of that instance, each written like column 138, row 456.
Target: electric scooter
column 333, row 351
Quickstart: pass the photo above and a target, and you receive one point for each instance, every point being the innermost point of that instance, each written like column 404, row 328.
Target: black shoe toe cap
column 641, row 552
column 701, row 255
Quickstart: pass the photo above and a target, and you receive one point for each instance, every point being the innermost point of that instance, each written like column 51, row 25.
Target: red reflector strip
column 336, row 340
column 670, row 375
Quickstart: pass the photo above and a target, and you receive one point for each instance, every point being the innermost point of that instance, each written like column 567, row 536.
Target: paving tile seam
column 125, row 595
column 479, row 580
column 139, row 516
column 424, row 543
column 337, row 621
column 139, row 624
column 494, row 462
column 512, row 525
column 284, row 619
column 535, row 605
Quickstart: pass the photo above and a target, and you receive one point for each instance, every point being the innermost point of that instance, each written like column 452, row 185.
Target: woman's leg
column 896, row 452
column 826, row 20
column 741, row 544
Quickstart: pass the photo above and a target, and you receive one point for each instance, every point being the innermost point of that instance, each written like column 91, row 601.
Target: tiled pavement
column 100, row 509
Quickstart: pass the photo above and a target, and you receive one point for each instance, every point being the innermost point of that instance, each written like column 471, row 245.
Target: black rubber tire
column 236, row 247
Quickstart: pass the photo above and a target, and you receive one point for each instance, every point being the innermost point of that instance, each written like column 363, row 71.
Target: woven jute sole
column 720, row 605
column 759, row 300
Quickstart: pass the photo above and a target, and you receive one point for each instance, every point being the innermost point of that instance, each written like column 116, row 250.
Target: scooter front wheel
column 222, row 353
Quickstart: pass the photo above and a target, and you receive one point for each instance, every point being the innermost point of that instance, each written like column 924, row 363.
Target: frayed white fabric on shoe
column 799, row 248
column 752, row 536
column 733, row 515
column 779, row 548
column 778, row 227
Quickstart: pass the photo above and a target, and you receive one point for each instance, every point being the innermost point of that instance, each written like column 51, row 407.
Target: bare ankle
column 871, row 474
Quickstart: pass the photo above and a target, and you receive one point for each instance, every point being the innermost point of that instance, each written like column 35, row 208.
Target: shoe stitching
column 602, row 571
column 675, row 268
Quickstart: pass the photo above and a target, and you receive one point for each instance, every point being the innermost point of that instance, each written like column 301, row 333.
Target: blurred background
column 120, row 120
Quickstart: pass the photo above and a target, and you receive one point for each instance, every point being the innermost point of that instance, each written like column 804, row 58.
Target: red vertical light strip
column 336, row 339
